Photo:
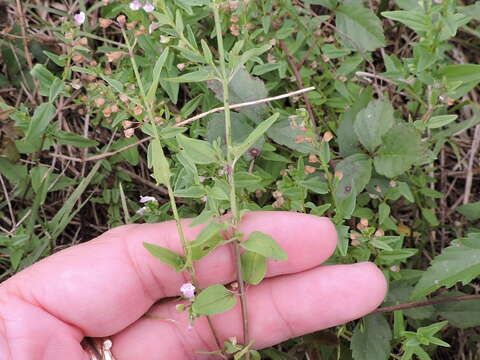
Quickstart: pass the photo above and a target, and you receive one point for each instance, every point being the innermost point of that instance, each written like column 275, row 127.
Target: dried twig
column 185, row 122
column 473, row 153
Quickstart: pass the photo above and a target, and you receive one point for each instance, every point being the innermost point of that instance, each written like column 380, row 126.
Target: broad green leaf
column 458, row 262
column 42, row 116
column 373, row 122
column 56, row 88
column 243, row 88
column 402, row 147
column 213, row 300
column 167, row 256
column 415, row 20
column 206, row 52
column 254, row 135
column 199, row 151
column 194, row 191
column 286, row 132
column 360, row 25
column 383, row 212
column 372, row 341
column 161, row 168
column 356, row 172
column 202, row 247
column 317, row 184
column 463, row 72
column 70, row 138
column 195, row 76
column 157, row 69
column 470, row 211
column 461, row 314
column 44, row 77
column 264, row 245
column 440, row 120
column 254, row 267
column 211, row 230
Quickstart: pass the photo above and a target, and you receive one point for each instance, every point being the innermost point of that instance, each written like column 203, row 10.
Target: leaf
column 264, row 245
column 161, row 168
column 415, row 20
column 462, row 314
column 254, row 267
column 356, row 170
column 56, row 88
column 42, row 116
column 213, row 300
column 470, row 211
column 195, row 76
column 458, row 262
column 70, row 138
column 165, row 255
column 361, row 25
column 44, row 77
column 211, row 230
column 254, row 136
column 373, row 341
column 317, row 184
column 463, row 72
column 373, row 122
column 199, row 151
column 440, row 120
column 243, row 88
column 285, row 132
column 402, row 147
column 157, row 70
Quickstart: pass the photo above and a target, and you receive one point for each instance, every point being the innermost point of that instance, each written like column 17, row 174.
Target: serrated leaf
column 264, row 245
column 254, row 267
column 371, row 342
column 42, row 116
column 361, row 25
column 395, row 156
column 243, row 88
column 373, row 122
column 254, row 136
column 213, row 300
column 199, row 151
column 458, row 262
column 167, row 256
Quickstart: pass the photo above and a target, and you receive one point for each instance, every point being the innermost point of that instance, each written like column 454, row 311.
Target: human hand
column 103, row 287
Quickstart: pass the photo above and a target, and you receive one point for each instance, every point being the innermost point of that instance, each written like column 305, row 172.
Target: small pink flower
column 141, row 211
column 79, row 18
column 148, row 7
column 135, row 5
column 146, row 199
column 188, row 290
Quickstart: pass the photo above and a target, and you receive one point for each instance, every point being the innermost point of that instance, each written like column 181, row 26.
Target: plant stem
column 231, row 176
column 416, row 304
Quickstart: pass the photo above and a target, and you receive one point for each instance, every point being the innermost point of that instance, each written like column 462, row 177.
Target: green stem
column 231, row 176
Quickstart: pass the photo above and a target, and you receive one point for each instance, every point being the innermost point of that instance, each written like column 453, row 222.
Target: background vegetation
column 386, row 144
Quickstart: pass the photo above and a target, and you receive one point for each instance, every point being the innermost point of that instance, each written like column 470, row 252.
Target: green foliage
column 214, row 300
column 371, row 339
column 265, row 245
column 167, row 256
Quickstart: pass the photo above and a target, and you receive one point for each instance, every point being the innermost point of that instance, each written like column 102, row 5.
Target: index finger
column 102, row 286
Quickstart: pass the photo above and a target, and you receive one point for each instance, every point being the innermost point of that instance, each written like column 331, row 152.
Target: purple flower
column 141, row 211
column 188, row 290
column 79, row 18
column 146, row 199
column 135, row 5
column 148, row 7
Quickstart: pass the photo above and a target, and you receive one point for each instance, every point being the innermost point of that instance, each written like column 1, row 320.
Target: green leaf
column 285, row 132
column 44, row 77
column 42, row 116
column 441, row 120
column 361, row 25
column 56, row 88
column 70, row 138
column 211, row 230
column 415, row 20
column 458, row 262
column 194, row 191
column 264, row 245
column 243, row 88
column 373, row 122
column 463, row 72
column 383, row 212
column 161, row 168
column 254, row 267
column 254, row 136
column 157, row 69
column 395, row 157
column 371, row 342
column 213, row 300
column 167, row 256
column 430, row 216
column 356, row 170
column 461, row 314
column 317, row 184
column 195, row 76
column 199, row 151
column 470, row 211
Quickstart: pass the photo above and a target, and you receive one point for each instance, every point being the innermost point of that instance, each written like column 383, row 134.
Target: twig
column 416, row 304
column 380, row 77
column 185, row 122
column 10, row 209
column 473, row 153
column 298, row 78
column 143, row 181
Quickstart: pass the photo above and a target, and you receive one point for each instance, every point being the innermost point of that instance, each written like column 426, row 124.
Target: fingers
column 280, row 308
column 104, row 285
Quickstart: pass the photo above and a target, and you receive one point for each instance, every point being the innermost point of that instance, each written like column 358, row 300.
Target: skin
column 103, row 287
